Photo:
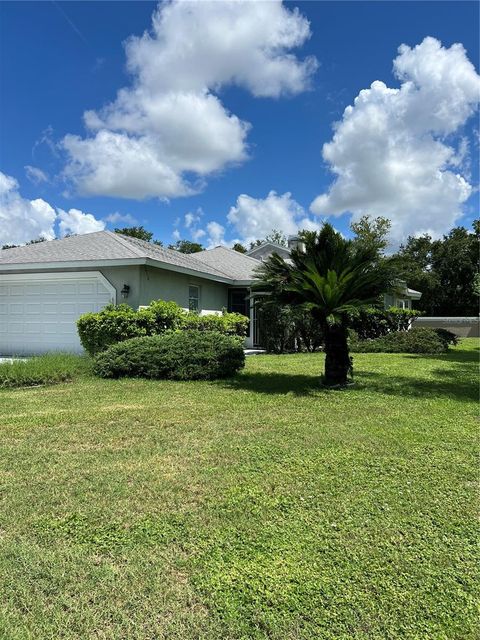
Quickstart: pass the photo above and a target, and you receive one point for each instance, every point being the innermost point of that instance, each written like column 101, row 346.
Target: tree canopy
column 186, row 246
column 138, row 232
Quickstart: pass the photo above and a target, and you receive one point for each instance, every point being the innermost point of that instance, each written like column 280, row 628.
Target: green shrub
column 50, row 368
column 112, row 324
column 420, row 340
column 230, row 324
column 373, row 322
column 286, row 328
column 164, row 315
column 178, row 355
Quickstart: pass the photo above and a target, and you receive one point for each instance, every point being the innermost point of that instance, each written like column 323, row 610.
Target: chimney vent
column 295, row 242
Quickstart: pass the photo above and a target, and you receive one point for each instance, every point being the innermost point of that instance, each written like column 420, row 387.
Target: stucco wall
column 118, row 276
column 158, row 284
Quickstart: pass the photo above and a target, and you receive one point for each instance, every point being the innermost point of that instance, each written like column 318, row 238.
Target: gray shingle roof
column 106, row 245
column 234, row 264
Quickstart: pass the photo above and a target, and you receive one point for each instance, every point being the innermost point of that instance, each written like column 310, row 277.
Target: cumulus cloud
column 394, row 151
column 115, row 218
column 167, row 132
column 255, row 218
column 216, row 233
column 35, row 175
column 76, row 222
column 21, row 219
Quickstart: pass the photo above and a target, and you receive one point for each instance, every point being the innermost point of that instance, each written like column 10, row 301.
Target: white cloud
column 192, row 219
column 169, row 124
column 256, row 217
column 126, row 218
column 198, row 234
column 390, row 152
column 216, row 233
column 75, row 221
column 35, row 175
column 22, row 220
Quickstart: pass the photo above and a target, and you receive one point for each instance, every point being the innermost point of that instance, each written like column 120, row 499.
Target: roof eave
column 69, row 264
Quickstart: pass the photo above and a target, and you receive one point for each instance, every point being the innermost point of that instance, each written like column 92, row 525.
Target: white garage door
column 38, row 312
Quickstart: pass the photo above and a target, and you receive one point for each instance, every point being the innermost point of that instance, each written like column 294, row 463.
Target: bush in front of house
column 420, row 340
column 51, row 368
column 230, row 324
column 164, row 315
column 284, row 328
column 116, row 323
column 112, row 324
column 176, row 355
column 372, row 322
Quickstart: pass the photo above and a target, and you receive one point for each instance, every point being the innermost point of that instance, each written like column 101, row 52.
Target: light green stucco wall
column 160, row 284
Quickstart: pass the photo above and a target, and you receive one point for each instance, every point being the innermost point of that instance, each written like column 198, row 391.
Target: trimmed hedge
column 177, row 355
column 230, row 324
column 421, row 340
column 116, row 323
column 373, row 322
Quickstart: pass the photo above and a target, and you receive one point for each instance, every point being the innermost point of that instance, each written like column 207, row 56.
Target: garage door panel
column 68, row 289
column 16, row 290
column 40, row 315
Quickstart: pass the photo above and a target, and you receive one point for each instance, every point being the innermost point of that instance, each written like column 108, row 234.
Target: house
column 45, row 287
column 401, row 297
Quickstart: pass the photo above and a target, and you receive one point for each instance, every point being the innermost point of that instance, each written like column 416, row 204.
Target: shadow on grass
column 457, row 382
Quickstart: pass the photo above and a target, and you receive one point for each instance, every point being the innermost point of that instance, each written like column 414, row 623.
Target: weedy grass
column 262, row 506
column 50, row 368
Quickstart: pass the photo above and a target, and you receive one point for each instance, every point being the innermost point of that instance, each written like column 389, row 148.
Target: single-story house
column 45, row 287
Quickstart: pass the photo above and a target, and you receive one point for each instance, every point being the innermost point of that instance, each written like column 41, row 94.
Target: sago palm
column 335, row 277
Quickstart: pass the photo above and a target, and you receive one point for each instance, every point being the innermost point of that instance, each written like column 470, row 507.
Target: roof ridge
column 244, row 255
column 123, row 240
column 200, row 266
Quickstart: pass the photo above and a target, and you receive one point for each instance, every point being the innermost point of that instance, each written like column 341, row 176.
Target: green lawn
column 261, row 507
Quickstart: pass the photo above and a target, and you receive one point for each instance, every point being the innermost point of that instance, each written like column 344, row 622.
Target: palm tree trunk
column 337, row 358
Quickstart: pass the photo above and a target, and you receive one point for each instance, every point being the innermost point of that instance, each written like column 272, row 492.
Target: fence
column 462, row 327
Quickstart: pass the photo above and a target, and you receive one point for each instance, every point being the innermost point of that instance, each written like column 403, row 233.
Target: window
column 194, row 298
column 238, row 301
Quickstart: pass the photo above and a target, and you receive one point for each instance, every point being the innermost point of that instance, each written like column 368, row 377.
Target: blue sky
column 60, row 59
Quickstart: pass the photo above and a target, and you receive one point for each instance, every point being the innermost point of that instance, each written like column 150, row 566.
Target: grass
column 51, row 368
column 257, row 507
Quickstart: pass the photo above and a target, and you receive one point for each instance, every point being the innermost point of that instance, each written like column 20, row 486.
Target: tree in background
column 372, row 232
column 445, row 271
column 186, row 246
column 139, row 232
column 334, row 277
column 238, row 246
column 275, row 236
column 35, row 241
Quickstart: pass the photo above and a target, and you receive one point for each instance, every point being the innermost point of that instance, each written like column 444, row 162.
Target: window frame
column 197, row 298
